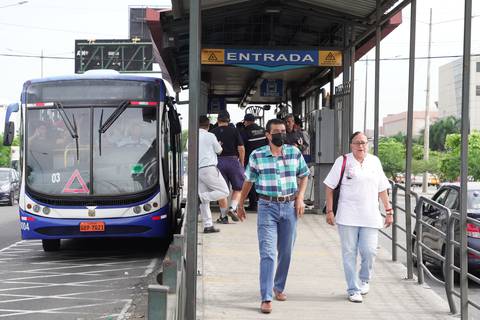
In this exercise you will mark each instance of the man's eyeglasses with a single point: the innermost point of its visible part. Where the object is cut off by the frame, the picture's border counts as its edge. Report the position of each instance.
(360, 143)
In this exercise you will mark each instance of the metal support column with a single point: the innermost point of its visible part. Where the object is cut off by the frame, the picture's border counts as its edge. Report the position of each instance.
(408, 161)
(332, 88)
(352, 83)
(378, 34)
(467, 39)
(346, 83)
(194, 69)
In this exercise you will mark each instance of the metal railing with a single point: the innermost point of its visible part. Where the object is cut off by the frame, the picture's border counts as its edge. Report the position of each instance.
(417, 245)
(167, 300)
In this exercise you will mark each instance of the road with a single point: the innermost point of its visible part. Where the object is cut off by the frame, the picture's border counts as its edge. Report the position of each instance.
(88, 279)
(474, 288)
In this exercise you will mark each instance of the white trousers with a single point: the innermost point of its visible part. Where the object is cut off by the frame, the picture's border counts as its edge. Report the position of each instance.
(211, 187)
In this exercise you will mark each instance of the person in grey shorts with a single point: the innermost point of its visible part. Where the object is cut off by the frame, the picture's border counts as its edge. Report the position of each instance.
(211, 186)
(230, 161)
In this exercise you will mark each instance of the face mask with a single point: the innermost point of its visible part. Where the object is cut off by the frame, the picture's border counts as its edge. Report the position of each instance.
(278, 139)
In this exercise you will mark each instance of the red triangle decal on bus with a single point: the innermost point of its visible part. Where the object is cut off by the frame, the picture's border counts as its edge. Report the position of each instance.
(68, 186)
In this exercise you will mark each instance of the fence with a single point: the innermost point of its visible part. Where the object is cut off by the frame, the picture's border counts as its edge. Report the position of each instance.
(166, 300)
(414, 245)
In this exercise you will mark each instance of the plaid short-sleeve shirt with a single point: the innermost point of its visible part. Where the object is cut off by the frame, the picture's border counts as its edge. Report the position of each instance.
(276, 176)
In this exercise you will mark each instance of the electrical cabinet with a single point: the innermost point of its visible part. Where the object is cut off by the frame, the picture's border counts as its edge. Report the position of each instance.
(322, 135)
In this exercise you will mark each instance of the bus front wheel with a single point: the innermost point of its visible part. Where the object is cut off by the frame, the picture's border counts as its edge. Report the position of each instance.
(51, 245)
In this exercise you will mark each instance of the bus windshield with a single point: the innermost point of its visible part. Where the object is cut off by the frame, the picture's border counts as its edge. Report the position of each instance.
(126, 162)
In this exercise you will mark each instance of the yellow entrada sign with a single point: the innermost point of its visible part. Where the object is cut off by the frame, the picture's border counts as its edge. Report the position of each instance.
(330, 58)
(213, 56)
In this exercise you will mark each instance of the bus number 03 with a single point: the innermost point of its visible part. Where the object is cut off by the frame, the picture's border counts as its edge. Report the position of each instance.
(56, 177)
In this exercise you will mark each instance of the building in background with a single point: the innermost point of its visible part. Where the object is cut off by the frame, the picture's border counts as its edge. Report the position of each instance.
(397, 123)
(450, 91)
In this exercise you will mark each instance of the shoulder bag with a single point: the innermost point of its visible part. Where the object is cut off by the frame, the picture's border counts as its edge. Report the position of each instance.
(336, 191)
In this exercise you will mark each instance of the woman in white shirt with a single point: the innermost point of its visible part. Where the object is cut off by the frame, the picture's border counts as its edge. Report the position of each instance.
(358, 216)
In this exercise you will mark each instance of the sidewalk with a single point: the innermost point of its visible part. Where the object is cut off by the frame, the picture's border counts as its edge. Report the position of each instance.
(227, 285)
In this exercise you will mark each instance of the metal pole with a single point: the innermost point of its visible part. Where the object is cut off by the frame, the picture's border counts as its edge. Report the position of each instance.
(408, 161)
(41, 64)
(377, 79)
(366, 93)
(332, 88)
(352, 82)
(194, 69)
(395, 222)
(464, 159)
(426, 131)
(345, 97)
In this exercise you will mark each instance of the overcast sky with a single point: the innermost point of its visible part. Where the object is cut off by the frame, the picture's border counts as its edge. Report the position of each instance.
(52, 27)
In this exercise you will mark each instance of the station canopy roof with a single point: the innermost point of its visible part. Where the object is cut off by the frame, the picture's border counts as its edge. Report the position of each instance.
(266, 25)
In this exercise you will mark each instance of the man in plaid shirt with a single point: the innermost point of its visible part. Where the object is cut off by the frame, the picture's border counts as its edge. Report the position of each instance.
(275, 170)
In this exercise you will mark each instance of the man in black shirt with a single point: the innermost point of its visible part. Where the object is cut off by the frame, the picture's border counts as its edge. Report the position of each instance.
(254, 137)
(230, 161)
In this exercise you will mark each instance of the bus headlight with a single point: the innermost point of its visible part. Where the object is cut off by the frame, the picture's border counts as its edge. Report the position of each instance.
(147, 207)
(36, 208)
(137, 209)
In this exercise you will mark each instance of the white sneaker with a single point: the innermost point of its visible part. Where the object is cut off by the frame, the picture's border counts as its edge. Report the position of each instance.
(364, 287)
(355, 297)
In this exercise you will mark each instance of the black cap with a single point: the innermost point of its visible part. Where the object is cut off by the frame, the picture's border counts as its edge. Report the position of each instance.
(224, 116)
(249, 117)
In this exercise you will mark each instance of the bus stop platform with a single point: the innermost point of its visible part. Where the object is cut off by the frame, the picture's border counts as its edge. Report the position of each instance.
(228, 285)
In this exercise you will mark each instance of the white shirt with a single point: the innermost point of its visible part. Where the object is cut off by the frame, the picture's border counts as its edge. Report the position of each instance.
(208, 148)
(358, 203)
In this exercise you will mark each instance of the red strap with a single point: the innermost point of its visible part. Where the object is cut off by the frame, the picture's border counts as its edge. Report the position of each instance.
(343, 170)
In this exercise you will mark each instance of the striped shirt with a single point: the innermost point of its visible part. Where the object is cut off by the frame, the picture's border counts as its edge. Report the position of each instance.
(276, 176)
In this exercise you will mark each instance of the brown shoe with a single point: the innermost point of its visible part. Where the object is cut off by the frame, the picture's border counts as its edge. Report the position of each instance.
(280, 296)
(266, 307)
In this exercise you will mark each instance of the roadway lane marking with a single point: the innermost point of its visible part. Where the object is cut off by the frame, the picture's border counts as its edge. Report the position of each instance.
(150, 267)
(12, 245)
(59, 274)
(16, 312)
(123, 313)
(123, 279)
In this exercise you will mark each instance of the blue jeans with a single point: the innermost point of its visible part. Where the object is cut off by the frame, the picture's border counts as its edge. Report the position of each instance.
(357, 240)
(276, 224)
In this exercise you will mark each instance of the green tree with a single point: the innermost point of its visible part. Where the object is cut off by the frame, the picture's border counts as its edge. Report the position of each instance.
(400, 137)
(439, 131)
(450, 162)
(4, 154)
(417, 151)
(392, 155)
(184, 139)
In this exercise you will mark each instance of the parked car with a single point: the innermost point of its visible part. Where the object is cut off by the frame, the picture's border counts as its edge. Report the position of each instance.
(417, 180)
(432, 180)
(448, 195)
(9, 186)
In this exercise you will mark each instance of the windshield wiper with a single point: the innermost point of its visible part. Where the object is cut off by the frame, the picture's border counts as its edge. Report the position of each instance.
(71, 127)
(103, 127)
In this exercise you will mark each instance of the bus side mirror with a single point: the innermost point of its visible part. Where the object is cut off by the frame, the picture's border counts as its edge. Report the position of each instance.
(9, 133)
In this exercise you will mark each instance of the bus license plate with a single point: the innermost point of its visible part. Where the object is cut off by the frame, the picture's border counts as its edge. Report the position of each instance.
(92, 226)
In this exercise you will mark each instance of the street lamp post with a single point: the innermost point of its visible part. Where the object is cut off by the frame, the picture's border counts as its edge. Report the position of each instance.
(426, 131)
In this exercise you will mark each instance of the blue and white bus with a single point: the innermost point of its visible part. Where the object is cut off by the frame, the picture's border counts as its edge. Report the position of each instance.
(99, 157)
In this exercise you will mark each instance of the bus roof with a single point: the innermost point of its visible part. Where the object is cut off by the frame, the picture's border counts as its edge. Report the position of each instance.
(96, 76)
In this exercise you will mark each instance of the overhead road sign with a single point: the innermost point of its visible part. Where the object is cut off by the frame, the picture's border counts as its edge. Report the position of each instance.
(125, 55)
(272, 60)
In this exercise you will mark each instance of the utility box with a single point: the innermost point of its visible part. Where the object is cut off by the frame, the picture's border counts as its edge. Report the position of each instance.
(322, 136)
